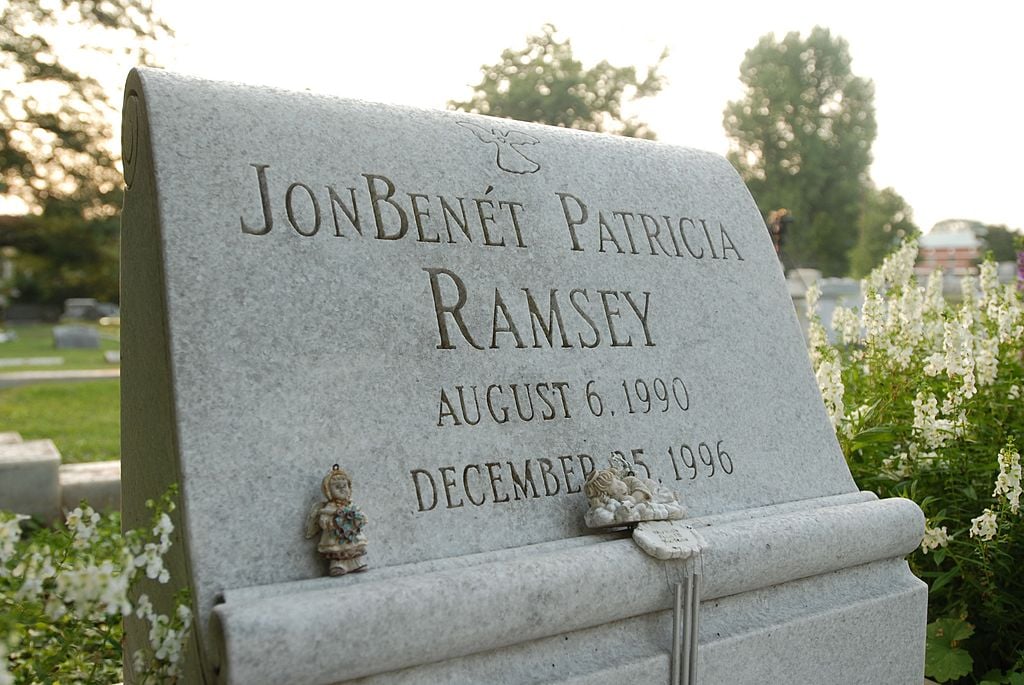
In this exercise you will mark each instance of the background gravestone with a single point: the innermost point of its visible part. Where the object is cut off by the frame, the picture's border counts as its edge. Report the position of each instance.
(467, 315)
(75, 337)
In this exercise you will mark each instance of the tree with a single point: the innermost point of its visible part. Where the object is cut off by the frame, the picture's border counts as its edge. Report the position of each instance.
(55, 151)
(61, 256)
(54, 130)
(55, 141)
(544, 83)
(999, 240)
(886, 220)
(801, 139)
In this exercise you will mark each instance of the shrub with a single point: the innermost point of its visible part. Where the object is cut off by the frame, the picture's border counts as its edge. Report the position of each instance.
(64, 591)
(925, 396)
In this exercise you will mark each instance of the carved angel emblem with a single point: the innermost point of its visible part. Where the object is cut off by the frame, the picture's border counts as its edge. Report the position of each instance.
(507, 142)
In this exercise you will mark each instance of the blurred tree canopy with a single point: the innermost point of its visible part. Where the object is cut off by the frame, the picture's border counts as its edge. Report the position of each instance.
(544, 83)
(64, 256)
(885, 221)
(801, 139)
(999, 240)
(55, 138)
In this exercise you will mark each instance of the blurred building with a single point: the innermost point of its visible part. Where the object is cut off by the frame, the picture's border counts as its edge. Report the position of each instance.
(954, 245)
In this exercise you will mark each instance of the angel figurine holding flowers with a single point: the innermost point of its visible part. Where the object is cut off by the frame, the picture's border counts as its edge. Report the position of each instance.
(340, 523)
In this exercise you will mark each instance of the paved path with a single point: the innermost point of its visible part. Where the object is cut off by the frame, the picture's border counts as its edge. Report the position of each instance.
(13, 378)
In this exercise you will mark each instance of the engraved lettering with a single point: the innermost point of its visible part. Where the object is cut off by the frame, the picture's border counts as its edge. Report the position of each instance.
(588, 467)
(560, 387)
(416, 473)
(550, 413)
(510, 327)
(290, 210)
(495, 479)
(605, 229)
(571, 223)
(448, 479)
(731, 246)
(652, 229)
(465, 484)
(417, 217)
(554, 316)
(704, 226)
(641, 316)
(351, 214)
(462, 402)
(625, 224)
(268, 217)
(609, 314)
(449, 213)
(486, 219)
(568, 472)
(490, 406)
(445, 408)
(515, 219)
(454, 310)
(579, 309)
(519, 406)
(545, 471)
(682, 234)
(672, 234)
(521, 486)
(375, 201)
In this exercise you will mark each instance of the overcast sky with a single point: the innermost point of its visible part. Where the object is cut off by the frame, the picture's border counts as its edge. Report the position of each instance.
(947, 75)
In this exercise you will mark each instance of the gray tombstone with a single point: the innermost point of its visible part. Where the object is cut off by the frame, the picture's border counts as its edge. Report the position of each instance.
(80, 308)
(469, 315)
(75, 337)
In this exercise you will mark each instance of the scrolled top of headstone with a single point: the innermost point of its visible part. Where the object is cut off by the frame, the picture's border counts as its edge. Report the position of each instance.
(617, 497)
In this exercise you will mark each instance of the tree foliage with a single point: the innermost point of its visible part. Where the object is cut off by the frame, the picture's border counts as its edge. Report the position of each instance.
(55, 140)
(544, 83)
(999, 240)
(55, 151)
(61, 256)
(885, 222)
(801, 139)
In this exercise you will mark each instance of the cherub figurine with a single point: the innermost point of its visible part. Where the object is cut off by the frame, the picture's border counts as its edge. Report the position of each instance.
(617, 497)
(341, 524)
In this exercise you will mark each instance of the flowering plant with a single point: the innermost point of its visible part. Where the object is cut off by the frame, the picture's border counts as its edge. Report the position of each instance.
(64, 591)
(925, 396)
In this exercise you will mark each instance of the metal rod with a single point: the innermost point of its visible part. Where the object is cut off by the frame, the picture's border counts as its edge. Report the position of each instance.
(694, 636)
(687, 632)
(677, 616)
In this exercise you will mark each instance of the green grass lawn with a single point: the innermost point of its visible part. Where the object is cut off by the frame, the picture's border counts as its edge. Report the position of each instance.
(36, 340)
(82, 418)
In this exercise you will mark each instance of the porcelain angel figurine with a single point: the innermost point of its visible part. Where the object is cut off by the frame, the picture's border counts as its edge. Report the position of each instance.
(618, 497)
(340, 523)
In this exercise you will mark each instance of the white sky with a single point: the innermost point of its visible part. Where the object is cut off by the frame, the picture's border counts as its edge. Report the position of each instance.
(948, 76)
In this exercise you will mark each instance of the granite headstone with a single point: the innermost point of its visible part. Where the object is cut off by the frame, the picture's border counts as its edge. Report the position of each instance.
(469, 315)
(75, 337)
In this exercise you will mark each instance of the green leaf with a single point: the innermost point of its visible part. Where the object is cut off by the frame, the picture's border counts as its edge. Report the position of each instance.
(943, 663)
(944, 658)
(949, 630)
(943, 579)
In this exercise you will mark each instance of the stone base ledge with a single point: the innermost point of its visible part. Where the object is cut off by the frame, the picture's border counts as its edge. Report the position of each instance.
(29, 478)
(97, 483)
(391, 624)
(33, 481)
